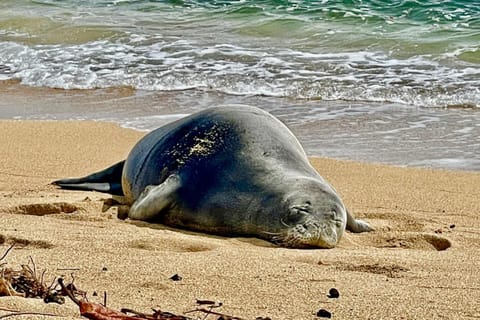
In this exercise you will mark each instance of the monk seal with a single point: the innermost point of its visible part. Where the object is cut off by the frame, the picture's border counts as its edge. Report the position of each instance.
(231, 171)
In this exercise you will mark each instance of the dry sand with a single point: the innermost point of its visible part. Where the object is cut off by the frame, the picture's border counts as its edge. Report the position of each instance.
(422, 262)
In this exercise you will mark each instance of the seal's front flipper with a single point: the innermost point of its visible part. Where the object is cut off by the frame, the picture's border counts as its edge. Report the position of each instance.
(155, 199)
(108, 181)
(357, 225)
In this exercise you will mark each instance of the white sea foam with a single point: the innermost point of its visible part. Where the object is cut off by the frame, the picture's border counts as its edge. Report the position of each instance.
(148, 123)
(155, 63)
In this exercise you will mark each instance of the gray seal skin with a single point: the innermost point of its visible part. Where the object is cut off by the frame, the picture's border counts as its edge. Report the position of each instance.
(232, 171)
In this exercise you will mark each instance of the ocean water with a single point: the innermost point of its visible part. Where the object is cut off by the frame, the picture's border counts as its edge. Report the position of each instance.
(386, 81)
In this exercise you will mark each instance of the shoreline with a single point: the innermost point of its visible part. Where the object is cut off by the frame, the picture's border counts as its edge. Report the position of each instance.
(368, 132)
(420, 263)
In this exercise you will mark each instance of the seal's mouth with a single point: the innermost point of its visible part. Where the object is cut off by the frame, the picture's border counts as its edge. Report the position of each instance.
(311, 234)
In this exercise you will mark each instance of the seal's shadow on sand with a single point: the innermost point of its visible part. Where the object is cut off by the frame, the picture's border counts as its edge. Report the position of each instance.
(392, 232)
(393, 240)
(205, 236)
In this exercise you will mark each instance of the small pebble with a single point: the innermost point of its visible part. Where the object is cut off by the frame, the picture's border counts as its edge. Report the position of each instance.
(322, 313)
(54, 297)
(333, 293)
(176, 277)
(452, 226)
(199, 301)
(104, 269)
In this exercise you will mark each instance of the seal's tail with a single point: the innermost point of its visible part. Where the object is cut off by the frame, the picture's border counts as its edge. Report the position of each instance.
(108, 181)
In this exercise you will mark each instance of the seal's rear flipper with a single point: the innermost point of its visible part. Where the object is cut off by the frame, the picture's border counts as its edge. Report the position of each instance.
(357, 225)
(108, 181)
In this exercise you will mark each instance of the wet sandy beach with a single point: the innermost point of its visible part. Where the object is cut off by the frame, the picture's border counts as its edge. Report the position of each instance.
(420, 263)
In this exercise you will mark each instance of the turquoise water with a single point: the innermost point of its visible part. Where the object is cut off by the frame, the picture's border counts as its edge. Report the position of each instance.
(390, 81)
(421, 53)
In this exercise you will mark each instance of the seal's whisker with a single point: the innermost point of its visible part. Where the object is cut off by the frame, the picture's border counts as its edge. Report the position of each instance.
(271, 233)
(285, 224)
(278, 239)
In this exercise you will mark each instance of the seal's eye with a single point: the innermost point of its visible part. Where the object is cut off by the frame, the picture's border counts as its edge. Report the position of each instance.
(303, 209)
(296, 214)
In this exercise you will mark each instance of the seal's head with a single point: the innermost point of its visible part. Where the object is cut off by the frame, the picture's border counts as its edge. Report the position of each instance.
(314, 216)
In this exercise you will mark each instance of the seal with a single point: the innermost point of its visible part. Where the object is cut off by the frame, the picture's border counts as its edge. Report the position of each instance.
(231, 171)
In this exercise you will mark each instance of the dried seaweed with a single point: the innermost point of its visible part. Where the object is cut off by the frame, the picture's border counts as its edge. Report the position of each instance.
(27, 282)
(24, 282)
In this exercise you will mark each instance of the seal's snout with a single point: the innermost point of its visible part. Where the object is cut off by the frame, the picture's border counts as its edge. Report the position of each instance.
(310, 234)
(312, 224)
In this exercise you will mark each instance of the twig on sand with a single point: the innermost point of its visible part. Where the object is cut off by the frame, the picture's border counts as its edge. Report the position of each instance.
(95, 311)
(7, 310)
(6, 252)
(210, 312)
(19, 313)
(15, 313)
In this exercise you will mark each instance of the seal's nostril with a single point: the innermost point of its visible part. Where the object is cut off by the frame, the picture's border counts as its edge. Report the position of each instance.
(301, 228)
